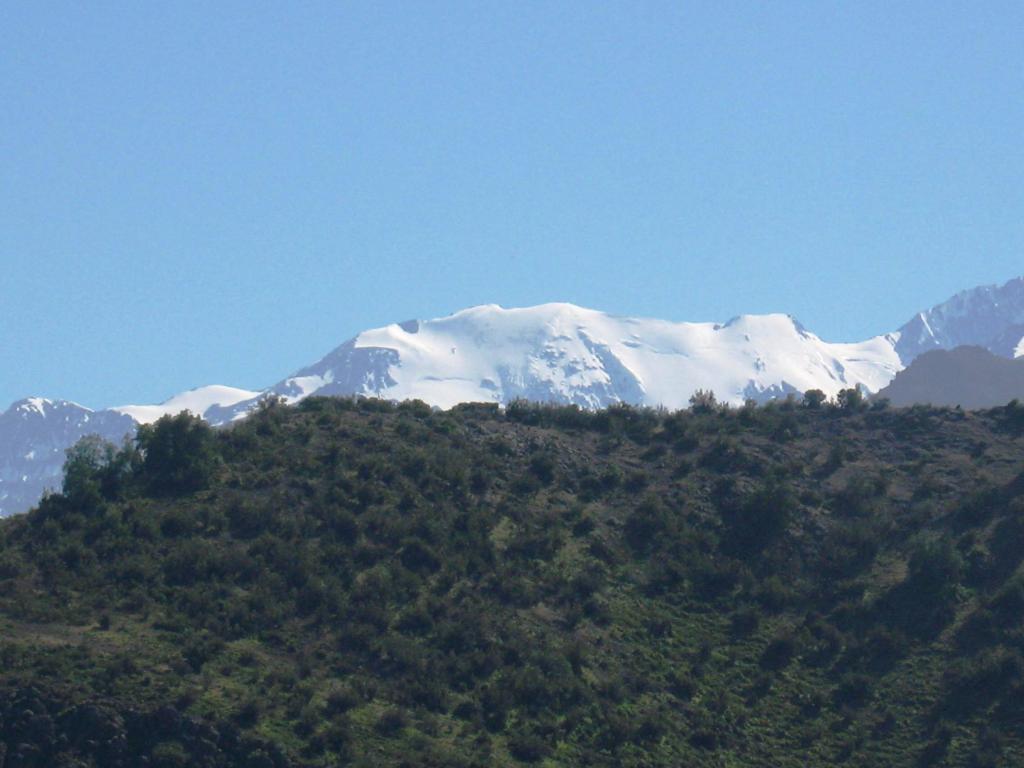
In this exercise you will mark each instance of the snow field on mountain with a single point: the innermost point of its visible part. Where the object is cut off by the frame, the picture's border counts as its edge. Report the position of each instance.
(198, 401)
(482, 353)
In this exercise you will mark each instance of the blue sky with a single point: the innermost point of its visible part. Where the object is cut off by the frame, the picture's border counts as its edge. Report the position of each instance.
(197, 193)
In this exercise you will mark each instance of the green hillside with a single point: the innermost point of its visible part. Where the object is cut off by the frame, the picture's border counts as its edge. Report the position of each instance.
(355, 582)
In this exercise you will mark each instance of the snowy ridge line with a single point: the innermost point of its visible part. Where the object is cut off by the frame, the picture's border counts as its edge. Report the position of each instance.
(198, 401)
(556, 352)
(568, 354)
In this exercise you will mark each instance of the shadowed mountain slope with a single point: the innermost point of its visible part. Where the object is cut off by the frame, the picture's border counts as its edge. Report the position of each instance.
(969, 377)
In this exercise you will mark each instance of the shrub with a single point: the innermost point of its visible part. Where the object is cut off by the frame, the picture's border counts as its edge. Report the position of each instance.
(528, 747)
(973, 684)
(542, 465)
(760, 519)
(418, 557)
(1008, 603)
(169, 754)
(391, 721)
(340, 699)
(851, 400)
(94, 471)
(779, 652)
(849, 547)
(495, 703)
(858, 498)
(936, 566)
(703, 401)
(646, 525)
(854, 690)
(1007, 542)
(745, 622)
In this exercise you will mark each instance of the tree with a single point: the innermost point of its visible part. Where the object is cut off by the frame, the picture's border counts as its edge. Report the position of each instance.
(851, 399)
(96, 471)
(814, 399)
(703, 401)
(179, 455)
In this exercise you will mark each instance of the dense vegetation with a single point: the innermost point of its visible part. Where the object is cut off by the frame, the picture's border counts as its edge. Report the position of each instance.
(358, 582)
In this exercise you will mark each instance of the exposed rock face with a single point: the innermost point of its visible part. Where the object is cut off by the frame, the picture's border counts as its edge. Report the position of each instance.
(991, 317)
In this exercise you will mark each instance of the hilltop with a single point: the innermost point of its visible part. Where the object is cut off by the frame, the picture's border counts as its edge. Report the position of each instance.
(358, 582)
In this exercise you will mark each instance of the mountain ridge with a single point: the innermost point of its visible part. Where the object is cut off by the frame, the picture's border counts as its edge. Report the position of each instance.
(562, 353)
(989, 316)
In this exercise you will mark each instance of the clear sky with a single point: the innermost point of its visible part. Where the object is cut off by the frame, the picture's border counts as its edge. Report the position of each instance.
(195, 193)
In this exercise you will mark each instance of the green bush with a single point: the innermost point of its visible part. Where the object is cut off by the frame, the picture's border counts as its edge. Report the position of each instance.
(779, 652)
(647, 525)
(169, 754)
(760, 519)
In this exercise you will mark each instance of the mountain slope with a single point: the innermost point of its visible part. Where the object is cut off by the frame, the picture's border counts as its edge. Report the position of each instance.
(969, 377)
(352, 582)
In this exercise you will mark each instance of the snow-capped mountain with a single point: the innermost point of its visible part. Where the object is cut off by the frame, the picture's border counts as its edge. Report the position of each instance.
(553, 352)
(567, 354)
(991, 316)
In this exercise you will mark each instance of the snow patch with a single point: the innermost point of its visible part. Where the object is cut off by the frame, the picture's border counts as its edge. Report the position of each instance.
(37, 405)
(198, 401)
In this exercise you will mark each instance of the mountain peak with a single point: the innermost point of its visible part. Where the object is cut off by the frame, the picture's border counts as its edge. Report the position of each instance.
(43, 406)
(547, 310)
(37, 405)
(989, 316)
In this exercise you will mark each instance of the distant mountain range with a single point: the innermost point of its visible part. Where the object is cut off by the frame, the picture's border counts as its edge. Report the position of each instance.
(991, 317)
(34, 433)
(553, 352)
